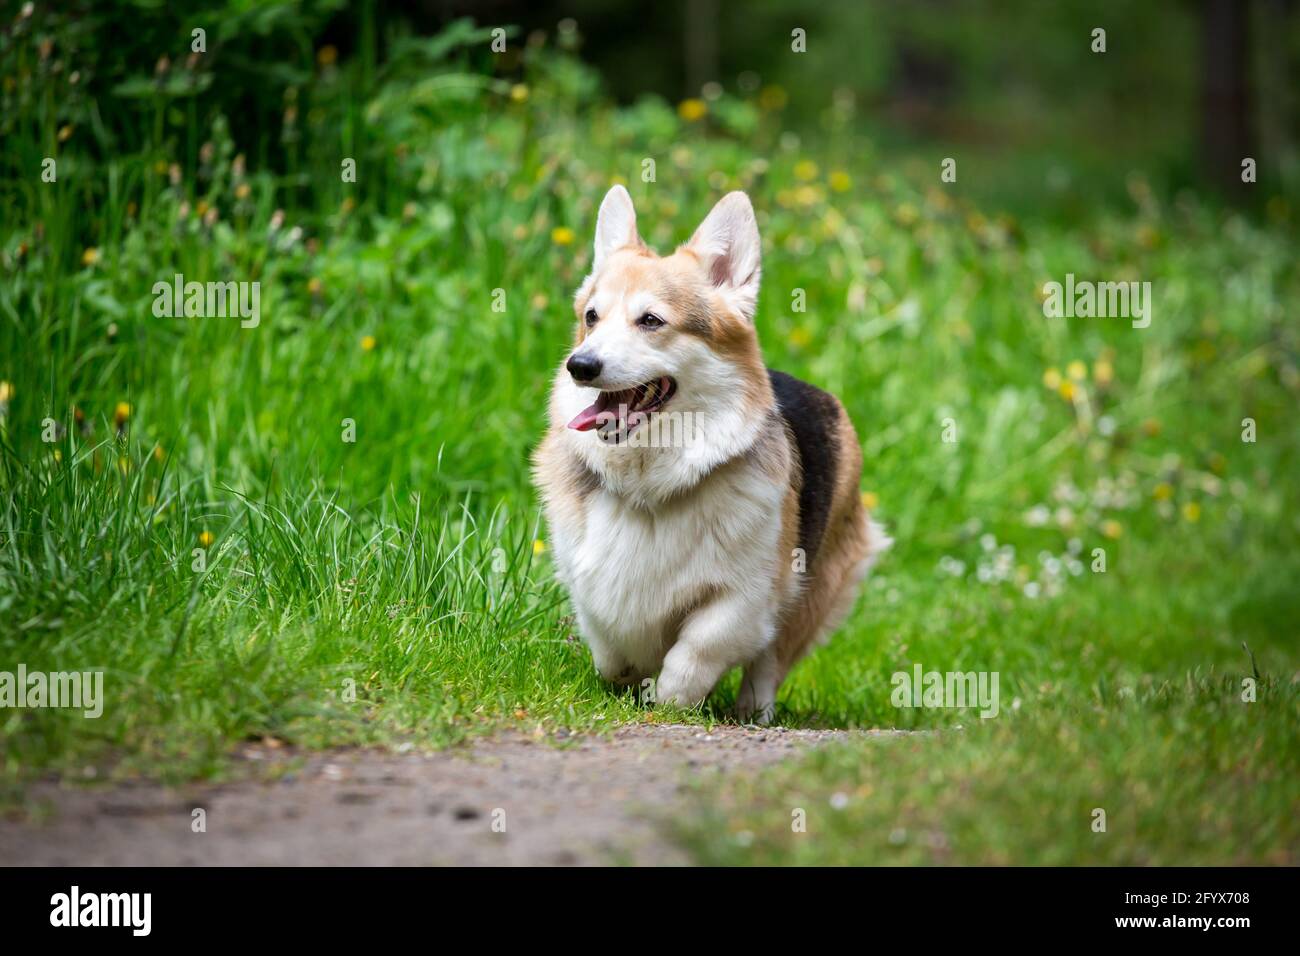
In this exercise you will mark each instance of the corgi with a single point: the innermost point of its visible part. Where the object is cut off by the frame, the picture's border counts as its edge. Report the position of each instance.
(741, 540)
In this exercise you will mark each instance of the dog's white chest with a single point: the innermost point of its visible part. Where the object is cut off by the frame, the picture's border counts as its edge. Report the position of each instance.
(634, 571)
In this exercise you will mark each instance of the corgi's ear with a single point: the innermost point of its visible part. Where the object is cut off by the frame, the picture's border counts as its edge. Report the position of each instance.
(615, 225)
(728, 246)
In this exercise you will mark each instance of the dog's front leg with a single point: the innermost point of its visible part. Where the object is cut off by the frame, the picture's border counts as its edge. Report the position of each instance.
(715, 638)
(757, 698)
(611, 663)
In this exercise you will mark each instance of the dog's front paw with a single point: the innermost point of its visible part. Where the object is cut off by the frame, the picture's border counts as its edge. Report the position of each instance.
(681, 684)
(613, 667)
(628, 676)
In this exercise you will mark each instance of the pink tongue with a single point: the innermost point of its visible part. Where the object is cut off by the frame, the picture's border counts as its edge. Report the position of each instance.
(588, 418)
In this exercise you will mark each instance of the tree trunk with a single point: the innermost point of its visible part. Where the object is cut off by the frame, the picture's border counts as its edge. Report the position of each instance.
(701, 29)
(1225, 93)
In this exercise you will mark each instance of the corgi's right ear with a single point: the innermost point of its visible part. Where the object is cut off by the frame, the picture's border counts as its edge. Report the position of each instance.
(615, 225)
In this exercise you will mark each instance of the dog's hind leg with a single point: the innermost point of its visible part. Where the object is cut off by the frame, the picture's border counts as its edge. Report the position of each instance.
(846, 558)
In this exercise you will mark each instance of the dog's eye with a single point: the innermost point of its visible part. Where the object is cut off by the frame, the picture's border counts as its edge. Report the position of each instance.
(591, 317)
(649, 321)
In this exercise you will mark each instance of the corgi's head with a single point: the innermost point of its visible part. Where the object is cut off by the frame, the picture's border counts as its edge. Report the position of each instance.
(666, 336)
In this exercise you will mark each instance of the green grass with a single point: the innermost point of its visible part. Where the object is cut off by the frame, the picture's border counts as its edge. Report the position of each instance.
(398, 587)
(1183, 773)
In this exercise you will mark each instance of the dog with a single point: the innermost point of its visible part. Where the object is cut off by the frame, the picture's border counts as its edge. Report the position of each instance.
(741, 540)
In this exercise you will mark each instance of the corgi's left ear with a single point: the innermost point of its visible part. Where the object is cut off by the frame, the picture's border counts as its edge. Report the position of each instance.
(729, 248)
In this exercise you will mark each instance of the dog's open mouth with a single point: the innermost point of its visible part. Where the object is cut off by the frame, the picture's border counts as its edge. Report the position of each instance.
(621, 411)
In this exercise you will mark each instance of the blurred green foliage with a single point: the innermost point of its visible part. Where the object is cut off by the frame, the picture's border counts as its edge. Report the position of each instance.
(411, 561)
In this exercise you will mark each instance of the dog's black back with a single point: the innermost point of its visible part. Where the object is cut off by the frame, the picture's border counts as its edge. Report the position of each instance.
(813, 418)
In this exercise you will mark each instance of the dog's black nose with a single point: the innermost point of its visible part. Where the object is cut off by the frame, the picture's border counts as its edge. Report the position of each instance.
(583, 368)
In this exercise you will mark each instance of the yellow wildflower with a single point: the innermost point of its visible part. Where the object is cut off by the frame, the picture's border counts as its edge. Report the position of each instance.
(367, 343)
(562, 236)
(692, 110)
(772, 98)
(807, 195)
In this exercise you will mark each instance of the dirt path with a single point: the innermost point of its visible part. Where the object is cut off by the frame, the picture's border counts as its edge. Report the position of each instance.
(586, 800)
